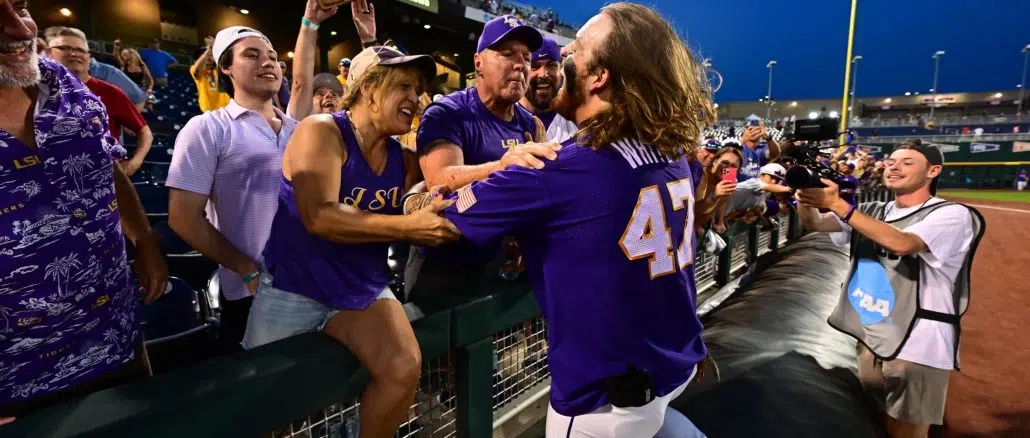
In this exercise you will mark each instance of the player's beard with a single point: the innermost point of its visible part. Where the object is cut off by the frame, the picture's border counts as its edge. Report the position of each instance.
(570, 96)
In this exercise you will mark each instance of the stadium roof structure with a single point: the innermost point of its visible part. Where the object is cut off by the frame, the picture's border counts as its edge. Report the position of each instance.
(865, 104)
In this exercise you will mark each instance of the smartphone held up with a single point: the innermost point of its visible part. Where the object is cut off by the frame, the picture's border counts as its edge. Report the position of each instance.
(729, 174)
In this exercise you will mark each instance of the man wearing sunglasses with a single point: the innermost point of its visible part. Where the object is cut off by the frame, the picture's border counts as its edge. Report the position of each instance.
(908, 285)
(68, 46)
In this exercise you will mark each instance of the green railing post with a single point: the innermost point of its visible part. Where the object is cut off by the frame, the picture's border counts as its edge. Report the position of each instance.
(474, 380)
(722, 276)
(795, 226)
(752, 241)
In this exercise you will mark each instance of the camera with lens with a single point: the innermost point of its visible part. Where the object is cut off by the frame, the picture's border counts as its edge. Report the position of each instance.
(809, 169)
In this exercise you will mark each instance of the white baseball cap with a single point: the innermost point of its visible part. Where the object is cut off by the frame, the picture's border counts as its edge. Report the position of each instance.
(774, 170)
(383, 55)
(226, 37)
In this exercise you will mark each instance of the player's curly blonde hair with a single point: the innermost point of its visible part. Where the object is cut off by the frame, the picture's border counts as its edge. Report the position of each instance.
(659, 91)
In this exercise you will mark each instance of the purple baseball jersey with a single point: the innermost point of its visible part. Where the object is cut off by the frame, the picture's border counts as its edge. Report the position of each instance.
(340, 276)
(68, 313)
(462, 118)
(604, 237)
(1022, 176)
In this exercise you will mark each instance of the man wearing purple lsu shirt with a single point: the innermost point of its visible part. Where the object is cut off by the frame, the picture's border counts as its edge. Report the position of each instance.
(69, 314)
(471, 133)
(605, 229)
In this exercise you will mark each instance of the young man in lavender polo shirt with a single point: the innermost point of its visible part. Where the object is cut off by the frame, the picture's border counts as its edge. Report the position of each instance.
(471, 133)
(69, 314)
(606, 230)
(228, 161)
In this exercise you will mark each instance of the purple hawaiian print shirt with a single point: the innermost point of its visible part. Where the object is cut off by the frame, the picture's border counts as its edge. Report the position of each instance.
(67, 312)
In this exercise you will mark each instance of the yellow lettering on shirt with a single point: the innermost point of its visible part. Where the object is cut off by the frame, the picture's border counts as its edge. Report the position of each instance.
(25, 322)
(29, 161)
(101, 301)
(113, 205)
(381, 198)
(356, 194)
(392, 193)
(509, 143)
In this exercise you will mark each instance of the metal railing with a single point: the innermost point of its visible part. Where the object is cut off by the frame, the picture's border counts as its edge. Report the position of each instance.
(486, 363)
(951, 138)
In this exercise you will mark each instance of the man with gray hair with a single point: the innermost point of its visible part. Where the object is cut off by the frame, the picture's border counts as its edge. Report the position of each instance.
(69, 46)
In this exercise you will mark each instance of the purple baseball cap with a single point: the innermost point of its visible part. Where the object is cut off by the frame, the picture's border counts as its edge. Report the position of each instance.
(548, 51)
(507, 26)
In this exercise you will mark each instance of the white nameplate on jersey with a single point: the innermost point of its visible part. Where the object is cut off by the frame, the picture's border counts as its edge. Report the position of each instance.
(637, 154)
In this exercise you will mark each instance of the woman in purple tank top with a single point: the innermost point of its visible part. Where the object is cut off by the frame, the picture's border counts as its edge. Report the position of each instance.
(340, 199)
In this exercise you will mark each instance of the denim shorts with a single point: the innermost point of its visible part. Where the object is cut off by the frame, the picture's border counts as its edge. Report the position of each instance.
(277, 314)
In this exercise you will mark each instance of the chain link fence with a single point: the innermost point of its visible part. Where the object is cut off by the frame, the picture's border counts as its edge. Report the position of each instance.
(520, 362)
(432, 415)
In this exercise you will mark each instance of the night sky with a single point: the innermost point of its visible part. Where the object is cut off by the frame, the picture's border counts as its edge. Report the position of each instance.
(808, 38)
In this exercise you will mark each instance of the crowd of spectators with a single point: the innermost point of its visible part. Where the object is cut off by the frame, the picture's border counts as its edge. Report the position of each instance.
(538, 18)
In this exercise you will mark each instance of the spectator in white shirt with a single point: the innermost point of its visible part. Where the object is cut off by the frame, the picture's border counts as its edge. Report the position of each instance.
(748, 199)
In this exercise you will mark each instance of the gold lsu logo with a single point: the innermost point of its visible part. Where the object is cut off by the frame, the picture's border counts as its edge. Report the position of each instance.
(512, 21)
(509, 143)
(29, 161)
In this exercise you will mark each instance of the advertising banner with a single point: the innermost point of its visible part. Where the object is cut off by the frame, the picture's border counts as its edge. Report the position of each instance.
(977, 148)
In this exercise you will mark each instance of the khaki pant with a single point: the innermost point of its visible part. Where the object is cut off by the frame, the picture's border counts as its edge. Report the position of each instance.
(907, 391)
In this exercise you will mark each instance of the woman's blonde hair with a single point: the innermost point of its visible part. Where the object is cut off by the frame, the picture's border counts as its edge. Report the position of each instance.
(379, 79)
(133, 54)
(659, 91)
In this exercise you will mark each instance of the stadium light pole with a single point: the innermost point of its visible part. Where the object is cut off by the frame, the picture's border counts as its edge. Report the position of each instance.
(1022, 83)
(768, 95)
(936, 68)
(854, 75)
(847, 72)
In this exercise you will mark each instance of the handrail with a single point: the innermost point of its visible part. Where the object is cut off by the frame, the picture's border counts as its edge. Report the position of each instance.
(264, 389)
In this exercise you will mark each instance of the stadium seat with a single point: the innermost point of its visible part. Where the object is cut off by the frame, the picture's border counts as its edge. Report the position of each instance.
(173, 316)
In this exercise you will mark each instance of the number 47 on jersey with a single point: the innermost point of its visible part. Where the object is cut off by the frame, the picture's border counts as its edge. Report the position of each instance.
(648, 233)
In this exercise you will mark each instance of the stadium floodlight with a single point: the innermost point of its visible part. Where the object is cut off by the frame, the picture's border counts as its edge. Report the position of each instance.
(908, 93)
(244, 12)
(715, 105)
(854, 73)
(833, 114)
(427, 26)
(456, 55)
(998, 95)
(333, 33)
(936, 69)
(794, 103)
(65, 12)
(887, 100)
(768, 95)
(1026, 59)
(289, 55)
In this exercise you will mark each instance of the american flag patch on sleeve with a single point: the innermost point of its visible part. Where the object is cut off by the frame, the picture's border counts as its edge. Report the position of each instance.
(466, 198)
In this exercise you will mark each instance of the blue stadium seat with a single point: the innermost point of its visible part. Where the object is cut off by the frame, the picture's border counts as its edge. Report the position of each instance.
(154, 199)
(174, 316)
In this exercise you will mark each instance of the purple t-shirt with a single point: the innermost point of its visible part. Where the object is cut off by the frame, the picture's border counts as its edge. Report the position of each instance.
(753, 161)
(338, 275)
(462, 118)
(1021, 176)
(68, 314)
(605, 243)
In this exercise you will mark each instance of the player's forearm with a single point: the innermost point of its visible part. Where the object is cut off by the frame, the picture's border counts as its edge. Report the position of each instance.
(195, 230)
(345, 224)
(458, 176)
(774, 149)
(303, 73)
(885, 235)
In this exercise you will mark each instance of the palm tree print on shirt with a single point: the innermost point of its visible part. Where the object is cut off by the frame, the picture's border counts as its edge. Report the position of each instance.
(75, 165)
(61, 268)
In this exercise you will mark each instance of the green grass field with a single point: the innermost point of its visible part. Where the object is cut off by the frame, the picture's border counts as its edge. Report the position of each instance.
(990, 195)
